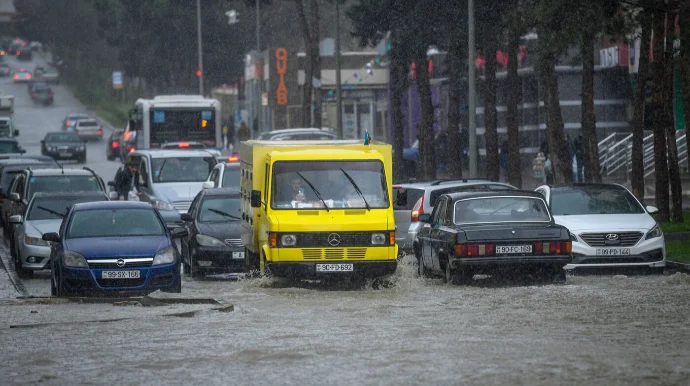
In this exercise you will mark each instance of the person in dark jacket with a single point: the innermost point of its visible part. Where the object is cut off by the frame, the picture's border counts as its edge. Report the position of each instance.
(124, 178)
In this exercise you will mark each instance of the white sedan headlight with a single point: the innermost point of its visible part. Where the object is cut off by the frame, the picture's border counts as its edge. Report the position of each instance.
(74, 260)
(208, 241)
(37, 241)
(161, 205)
(655, 232)
(164, 256)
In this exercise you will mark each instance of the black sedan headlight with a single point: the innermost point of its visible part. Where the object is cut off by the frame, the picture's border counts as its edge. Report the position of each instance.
(655, 232)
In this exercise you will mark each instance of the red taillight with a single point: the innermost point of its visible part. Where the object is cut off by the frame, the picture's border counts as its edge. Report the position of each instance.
(183, 145)
(68, 124)
(417, 209)
(131, 149)
(100, 131)
(472, 250)
(553, 247)
(16, 76)
(28, 76)
(115, 145)
(23, 44)
(234, 158)
(19, 53)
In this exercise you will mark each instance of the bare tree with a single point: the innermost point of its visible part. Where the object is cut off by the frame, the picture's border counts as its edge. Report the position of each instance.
(637, 175)
(673, 168)
(453, 156)
(684, 22)
(513, 120)
(426, 126)
(490, 114)
(661, 119)
(308, 65)
(589, 128)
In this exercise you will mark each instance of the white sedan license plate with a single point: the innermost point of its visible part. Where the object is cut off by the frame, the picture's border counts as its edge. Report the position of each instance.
(334, 267)
(613, 251)
(120, 274)
(506, 249)
(238, 255)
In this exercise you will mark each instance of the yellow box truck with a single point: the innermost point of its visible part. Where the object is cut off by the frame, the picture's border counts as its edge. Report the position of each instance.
(318, 209)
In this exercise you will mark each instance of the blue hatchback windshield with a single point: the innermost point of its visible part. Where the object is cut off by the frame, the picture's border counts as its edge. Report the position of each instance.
(114, 223)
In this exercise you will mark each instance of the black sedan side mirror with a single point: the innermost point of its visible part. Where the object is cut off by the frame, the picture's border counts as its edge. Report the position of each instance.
(51, 236)
(186, 217)
(425, 218)
(179, 233)
(111, 183)
(256, 199)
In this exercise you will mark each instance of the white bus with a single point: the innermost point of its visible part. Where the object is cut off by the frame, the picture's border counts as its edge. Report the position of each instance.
(173, 118)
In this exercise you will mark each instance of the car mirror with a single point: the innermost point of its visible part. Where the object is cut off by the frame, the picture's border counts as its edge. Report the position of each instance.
(209, 185)
(178, 233)
(111, 183)
(14, 197)
(425, 218)
(16, 133)
(113, 195)
(256, 199)
(22, 151)
(401, 197)
(16, 219)
(186, 217)
(652, 210)
(51, 236)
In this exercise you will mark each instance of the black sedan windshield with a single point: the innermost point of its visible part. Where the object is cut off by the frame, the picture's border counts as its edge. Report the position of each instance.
(114, 223)
(593, 201)
(219, 209)
(500, 209)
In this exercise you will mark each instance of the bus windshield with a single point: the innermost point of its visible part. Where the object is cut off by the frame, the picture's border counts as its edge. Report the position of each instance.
(174, 125)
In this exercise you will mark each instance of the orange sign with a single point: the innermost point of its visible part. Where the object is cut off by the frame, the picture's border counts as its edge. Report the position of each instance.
(281, 68)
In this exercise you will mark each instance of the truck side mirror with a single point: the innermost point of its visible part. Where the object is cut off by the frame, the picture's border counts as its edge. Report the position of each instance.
(256, 199)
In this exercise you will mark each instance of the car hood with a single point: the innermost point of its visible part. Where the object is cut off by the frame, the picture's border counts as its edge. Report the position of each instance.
(39, 227)
(108, 247)
(606, 222)
(182, 191)
(221, 230)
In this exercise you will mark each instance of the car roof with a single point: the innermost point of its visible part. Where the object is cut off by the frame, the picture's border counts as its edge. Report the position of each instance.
(170, 153)
(19, 160)
(587, 185)
(438, 184)
(232, 165)
(22, 166)
(57, 171)
(87, 120)
(222, 192)
(69, 194)
(77, 115)
(494, 193)
(112, 205)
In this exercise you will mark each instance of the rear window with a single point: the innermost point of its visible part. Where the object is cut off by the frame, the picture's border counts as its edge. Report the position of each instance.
(63, 184)
(412, 194)
(87, 123)
(231, 178)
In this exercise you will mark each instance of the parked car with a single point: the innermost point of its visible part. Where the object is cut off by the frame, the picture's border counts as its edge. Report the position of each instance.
(44, 214)
(609, 227)
(9, 169)
(22, 76)
(298, 134)
(114, 247)
(89, 129)
(5, 69)
(214, 228)
(412, 200)
(9, 145)
(70, 120)
(42, 93)
(112, 147)
(507, 233)
(50, 75)
(64, 145)
(224, 175)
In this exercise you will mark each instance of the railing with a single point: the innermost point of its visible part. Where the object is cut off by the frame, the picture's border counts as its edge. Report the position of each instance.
(648, 154)
(614, 153)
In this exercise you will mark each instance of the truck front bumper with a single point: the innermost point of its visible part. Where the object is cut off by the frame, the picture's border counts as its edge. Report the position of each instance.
(307, 270)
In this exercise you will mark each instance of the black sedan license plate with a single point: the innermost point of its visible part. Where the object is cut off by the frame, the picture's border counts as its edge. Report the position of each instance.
(510, 249)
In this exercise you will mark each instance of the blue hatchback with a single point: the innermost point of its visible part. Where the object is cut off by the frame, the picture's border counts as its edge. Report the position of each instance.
(114, 247)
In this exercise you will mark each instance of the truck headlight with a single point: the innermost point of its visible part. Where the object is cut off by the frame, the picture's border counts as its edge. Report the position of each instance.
(35, 241)
(378, 239)
(208, 241)
(161, 205)
(655, 232)
(164, 256)
(288, 240)
(73, 259)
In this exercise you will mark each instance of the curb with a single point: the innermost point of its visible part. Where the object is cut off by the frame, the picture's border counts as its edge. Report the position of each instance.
(680, 267)
(11, 272)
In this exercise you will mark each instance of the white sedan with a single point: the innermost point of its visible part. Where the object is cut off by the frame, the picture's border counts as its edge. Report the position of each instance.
(609, 227)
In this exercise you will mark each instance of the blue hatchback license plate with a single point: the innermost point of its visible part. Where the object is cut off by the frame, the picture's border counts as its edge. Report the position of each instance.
(120, 274)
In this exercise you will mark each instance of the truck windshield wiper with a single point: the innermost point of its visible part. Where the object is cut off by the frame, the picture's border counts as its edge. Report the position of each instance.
(354, 185)
(62, 215)
(318, 195)
(220, 212)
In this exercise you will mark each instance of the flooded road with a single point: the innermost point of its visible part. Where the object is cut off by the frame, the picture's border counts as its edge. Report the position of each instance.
(603, 330)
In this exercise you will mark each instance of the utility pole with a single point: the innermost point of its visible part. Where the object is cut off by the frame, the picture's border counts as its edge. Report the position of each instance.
(260, 64)
(472, 90)
(338, 91)
(200, 72)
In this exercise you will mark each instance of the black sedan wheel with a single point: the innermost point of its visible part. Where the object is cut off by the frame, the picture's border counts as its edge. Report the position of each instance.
(457, 277)
(53, 287)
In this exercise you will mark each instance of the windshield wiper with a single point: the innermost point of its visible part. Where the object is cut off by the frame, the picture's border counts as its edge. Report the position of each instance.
(318, 195)
(62, 215)
(160, 169)
(220, 212)
(354, 185)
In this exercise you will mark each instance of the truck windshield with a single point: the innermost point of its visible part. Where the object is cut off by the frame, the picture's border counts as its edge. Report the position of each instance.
(298, 184)
(170, 125)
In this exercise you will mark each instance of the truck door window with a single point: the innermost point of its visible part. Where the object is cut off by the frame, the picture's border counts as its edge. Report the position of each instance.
(266, 175)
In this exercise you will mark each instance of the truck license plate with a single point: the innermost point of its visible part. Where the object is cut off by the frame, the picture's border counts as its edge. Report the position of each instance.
(334, 267)
(613, 251)
(513, 249)
(120, 274)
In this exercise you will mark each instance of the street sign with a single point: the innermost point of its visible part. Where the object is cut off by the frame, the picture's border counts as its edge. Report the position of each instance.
(117, 80)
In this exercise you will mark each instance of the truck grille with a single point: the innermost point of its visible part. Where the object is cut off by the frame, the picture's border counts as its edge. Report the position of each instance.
(182, 206)
(333, 253)
(625, 239)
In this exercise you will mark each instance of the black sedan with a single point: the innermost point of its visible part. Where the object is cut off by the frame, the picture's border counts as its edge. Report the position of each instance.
(507, 233)
(112, 147)
(214, 242)
(64, 145)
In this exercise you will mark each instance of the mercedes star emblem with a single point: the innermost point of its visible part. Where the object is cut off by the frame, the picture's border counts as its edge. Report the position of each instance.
(612, 236)
(334, 239)
(120, 263)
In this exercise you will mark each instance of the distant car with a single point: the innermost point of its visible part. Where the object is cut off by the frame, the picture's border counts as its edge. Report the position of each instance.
(508, 233)
(64, 145)
(225, 175)
(71, 120)
(50, 75)
(22, 76)
(10, 146)
(609, 227)
(5, 69)
(23, 54)
(44, 214)
(42, 93)
(324, 134)
(112, 146)
(183, 146)
(116, 247)
(89, 129)
(214, 226)
(39, 70)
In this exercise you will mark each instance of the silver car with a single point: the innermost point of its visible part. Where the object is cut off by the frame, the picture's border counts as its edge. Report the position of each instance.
(44, 214)
(411, 200)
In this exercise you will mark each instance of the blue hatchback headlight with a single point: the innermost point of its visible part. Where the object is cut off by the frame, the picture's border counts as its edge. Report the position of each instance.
(74, 260)
(164, 256)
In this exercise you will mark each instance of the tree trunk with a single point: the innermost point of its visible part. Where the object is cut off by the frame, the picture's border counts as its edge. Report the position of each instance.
(637, 174)
(308, 69)
(684, 21)
(661, 121)
(559, 155)
(490, 114)
(426, 126)
(673, 168)
(513, 120)
(454, 148)
(316, 62)
(589, 128)
(397, 82)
